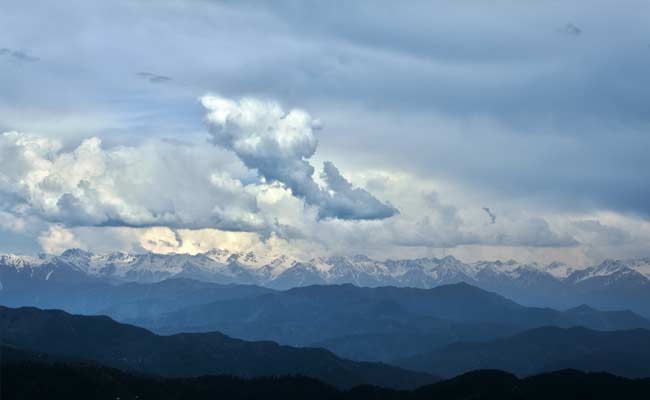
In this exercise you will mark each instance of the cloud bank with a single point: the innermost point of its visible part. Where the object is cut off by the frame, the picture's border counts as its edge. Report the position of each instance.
(170, 195)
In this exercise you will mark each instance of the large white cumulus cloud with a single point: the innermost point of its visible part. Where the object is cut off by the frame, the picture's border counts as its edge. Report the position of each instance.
(278, 145)
(184, 185)
(153, 184)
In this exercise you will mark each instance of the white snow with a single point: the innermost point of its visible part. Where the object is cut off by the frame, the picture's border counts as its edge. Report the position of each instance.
(150, 267)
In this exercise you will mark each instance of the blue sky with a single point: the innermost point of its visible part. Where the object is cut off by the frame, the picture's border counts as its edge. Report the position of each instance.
(428, 113)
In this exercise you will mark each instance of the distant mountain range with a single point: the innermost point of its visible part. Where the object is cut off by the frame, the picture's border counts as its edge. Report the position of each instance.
(612, 284)
(123, 301)
(102, 340)
(379, 324)
(366, 324)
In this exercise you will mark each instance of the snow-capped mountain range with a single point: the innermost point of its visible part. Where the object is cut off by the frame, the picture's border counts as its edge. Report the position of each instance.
(612, 284)
(223, 266)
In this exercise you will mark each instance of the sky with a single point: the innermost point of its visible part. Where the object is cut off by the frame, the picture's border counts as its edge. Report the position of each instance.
(514, 129)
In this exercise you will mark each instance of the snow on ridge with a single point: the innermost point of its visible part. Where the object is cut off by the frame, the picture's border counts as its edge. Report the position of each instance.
(559, 270)
(641, 266)
(358, 269)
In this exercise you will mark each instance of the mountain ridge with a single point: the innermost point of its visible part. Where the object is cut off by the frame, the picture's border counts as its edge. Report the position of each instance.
(612, 284)
(378, 324)
(123, 267)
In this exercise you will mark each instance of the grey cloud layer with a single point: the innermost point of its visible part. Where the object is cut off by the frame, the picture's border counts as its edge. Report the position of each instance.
(495, 97)
(503, 100)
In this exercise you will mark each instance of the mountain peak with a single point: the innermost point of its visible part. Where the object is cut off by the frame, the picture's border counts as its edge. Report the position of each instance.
(76, 253)
(449, 260)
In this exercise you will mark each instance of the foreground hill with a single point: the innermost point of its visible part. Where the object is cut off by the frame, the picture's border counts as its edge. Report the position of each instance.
(624, 353)
(107, 342)
(27, 377)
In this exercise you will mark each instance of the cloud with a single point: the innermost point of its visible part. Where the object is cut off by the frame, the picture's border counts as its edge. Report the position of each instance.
(493, 217)
(571, 29)
(58, 239)
(530, 232)
(18, 55)
(154, 184)
(10, 222)
(602, 235)
(550, 99)
(278, 145)
(170, 196)
(347, 202)
(392, 103)
(154, 78)
(447, 214)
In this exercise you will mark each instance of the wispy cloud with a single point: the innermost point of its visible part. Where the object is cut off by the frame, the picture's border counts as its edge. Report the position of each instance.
(571, 29)
(17, 55)
(154, 78)
(493, 217)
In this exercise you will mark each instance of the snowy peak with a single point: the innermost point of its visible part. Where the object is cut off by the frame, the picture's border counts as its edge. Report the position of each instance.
(641, 266)
(244, 258)
(559, 270)
(218, 255)
(609, 270)
(14, 261)
(76, 254)
(608, 267)
(497, 266)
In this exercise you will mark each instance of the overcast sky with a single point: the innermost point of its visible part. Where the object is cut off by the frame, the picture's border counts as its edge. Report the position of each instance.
(506, 129)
